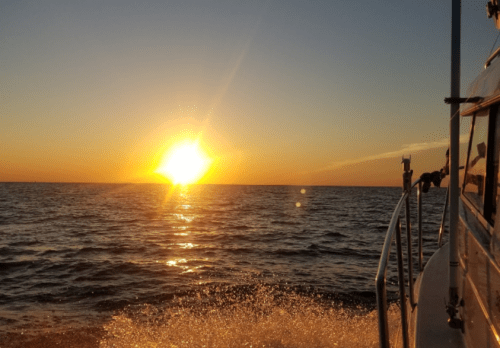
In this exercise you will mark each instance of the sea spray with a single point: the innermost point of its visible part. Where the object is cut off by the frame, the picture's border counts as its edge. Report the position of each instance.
(231, 316)
(268, 317)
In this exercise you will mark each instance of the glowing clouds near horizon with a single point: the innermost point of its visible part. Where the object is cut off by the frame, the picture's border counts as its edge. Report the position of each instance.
(184, 164)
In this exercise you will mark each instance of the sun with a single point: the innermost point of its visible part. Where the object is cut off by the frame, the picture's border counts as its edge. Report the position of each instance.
(184, 164)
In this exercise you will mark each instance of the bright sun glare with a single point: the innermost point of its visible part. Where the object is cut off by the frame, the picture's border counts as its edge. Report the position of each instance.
(184, 164)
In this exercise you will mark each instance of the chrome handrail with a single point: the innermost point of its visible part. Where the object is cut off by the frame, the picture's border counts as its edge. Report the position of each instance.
(395, 228)
(380, 280)
(409, 247)
(420, 242)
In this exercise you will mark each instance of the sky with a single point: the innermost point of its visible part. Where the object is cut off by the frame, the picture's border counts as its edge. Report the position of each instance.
(275, 92)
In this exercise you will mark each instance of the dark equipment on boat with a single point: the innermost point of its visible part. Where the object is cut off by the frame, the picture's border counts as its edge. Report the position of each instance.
(436, 176)
(430, 178)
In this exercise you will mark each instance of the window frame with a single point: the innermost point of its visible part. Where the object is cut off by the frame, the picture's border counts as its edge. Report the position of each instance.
(488, 199)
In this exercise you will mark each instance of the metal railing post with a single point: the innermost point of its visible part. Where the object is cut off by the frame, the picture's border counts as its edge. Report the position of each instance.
(407, 188)
(401, 281)
(420, 242)
(383, 327)
(381, 278)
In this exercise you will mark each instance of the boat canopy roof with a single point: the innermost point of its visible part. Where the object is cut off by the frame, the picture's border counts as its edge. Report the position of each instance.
(486, 86)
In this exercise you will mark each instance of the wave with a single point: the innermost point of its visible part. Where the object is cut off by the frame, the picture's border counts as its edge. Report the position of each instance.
(281, 222)
(334, 235)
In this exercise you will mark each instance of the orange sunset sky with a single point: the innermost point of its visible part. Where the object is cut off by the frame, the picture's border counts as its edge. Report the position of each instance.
(274, 92)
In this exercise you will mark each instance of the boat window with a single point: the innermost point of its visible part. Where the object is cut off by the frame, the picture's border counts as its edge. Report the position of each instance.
(476, 167)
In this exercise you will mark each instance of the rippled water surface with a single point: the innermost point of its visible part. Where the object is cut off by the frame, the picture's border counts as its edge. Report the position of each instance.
(211, 265)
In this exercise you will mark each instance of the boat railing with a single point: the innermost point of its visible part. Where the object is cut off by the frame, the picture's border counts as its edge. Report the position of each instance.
(380, 280)
(395, 229)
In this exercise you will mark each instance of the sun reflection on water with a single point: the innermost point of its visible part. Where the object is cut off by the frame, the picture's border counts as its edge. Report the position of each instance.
(181, 234)
(187, 245)
(191, 270)
(184, 217)
(176, 262)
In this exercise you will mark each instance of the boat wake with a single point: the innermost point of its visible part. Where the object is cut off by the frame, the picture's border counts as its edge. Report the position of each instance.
(257, 316)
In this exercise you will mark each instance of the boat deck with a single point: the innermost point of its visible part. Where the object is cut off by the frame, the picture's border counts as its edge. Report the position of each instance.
(432, 328)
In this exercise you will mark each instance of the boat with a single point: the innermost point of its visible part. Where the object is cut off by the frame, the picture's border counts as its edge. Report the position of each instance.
(455, 299)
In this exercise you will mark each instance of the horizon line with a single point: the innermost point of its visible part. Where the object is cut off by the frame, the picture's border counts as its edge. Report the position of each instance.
(205, 184)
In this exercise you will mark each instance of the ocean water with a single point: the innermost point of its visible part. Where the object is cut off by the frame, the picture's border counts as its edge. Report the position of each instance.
(146, 265)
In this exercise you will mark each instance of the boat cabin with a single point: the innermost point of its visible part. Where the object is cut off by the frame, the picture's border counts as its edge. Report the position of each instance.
(479, 225)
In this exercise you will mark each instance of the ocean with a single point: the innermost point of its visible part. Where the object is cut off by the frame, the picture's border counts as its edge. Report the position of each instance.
(151, 265)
